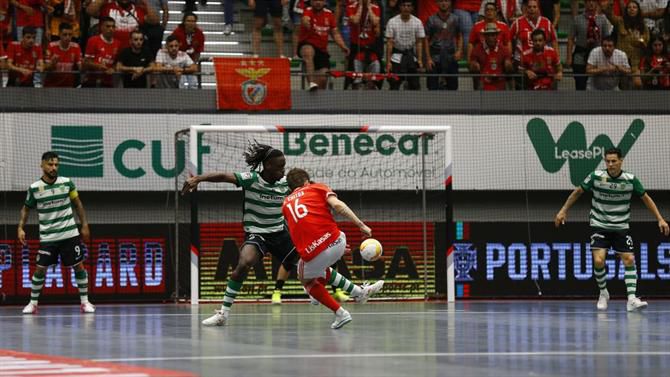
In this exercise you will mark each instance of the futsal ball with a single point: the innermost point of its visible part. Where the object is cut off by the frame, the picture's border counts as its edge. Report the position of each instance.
(371, 249)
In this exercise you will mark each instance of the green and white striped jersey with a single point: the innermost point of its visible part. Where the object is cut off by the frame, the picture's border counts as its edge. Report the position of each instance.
(262, 203)
(54, 208)
(610, 205)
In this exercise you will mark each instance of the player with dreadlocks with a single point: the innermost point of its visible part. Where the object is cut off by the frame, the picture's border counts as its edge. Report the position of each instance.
(264, 191)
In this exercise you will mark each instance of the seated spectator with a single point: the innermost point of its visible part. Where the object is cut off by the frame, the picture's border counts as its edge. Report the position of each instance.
(491, 58)
(404, 46)
(586, 32)
(490, 15)
(608, 67)
(364, 18)
(176, 66)
(521, 29)
(632, 35)
(655, 66)
(191, 38)
(101, 53)
(540, 64)
(127, 16)
(444, 47)
(64, 11)
(135, 62)
(63, 57)
(318, 23)
(24, 58)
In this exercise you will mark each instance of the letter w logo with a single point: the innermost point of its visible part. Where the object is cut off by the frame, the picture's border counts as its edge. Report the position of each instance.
(573, 141)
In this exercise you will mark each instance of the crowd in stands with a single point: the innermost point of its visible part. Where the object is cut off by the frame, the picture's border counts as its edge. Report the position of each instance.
(503, 44)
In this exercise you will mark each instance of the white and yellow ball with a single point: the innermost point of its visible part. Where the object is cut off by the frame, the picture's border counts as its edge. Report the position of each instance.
(371, 249)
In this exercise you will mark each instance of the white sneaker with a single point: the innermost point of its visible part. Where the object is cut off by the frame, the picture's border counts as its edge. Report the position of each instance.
(341, 319)
(313, 87)
(87, 307)
(369, 291)
(602, 300)
(218, 319)
(228, 29)
(635, 304)
(30, 309)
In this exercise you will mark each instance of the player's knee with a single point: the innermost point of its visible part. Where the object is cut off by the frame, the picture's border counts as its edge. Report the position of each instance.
(628, 259)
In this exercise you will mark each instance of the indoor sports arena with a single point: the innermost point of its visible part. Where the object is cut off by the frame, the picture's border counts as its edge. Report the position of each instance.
(228, 188)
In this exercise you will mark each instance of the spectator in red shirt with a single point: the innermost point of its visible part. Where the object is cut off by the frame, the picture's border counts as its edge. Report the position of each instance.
(490, 15)
(101, 55)
(655, 66)
(540, 64)
(191, 38)
(126, 15)
(24, 58)
(364, 19)
(521, 29)
(491, 58)
(63, 57)
(317, 24)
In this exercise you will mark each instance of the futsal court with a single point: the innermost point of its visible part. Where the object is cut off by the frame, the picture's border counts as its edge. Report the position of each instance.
(473, 338)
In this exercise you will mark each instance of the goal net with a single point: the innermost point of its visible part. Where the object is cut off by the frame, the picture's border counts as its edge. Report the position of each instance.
(395, 178)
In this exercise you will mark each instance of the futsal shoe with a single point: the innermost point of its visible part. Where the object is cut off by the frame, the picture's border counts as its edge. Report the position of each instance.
(218, 319)
(635, 304)
(30, 309)
(369, 291)
(276, 297)
(87, 307)
(602, 300)
(340, 296)
(342, 317)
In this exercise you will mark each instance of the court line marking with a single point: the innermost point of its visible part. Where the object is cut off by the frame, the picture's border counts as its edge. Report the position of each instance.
(395, 355)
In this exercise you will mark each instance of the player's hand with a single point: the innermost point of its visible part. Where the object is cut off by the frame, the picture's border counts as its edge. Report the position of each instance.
(366, 230)
(190, 185)
(22, 236)
(85, 234)
(560, 218)
(663, 226)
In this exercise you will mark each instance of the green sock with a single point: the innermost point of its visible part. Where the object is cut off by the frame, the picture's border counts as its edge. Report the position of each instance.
(600, 275)
(337, 280)
(36, 287)
(630, 278)
(232, 290)
(81, 278)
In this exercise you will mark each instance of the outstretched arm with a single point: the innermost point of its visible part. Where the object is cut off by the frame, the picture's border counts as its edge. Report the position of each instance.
(662, 225)
(563, 212)
(193, 182)
(343, 209)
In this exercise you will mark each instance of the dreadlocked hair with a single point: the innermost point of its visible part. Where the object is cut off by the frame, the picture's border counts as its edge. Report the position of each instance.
(257, 153)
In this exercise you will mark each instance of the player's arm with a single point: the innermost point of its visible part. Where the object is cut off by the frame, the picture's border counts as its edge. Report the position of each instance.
(79, 208)
(649, 202)
(563, 212)
(343, 209)
(21, 234)
(193, 182)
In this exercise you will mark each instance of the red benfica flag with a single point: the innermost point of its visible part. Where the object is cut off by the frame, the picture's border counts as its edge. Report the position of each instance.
(252, 84)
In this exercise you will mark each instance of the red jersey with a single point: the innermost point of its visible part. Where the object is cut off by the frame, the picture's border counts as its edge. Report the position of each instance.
(66, 61)
(24, 58)
(523, 27)
(322, 23)
(491, 62)
(365, 25)
(477, 37)
(310, 223)
(544, 65)
(36, 19)
(126, 20)
(661, 71)
(193, 44)
(102, 52)
(471, 6)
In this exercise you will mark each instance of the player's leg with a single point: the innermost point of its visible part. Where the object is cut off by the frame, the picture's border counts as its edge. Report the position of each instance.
(281, 247)
(624, 247)
(599, 245)
(72, 255)
(249, 256)
(282, 276)
(81, 278)
(46, 256)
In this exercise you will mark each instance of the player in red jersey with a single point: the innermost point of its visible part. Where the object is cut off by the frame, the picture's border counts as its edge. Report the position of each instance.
(63, 57)
(540, 64)
(320, 242)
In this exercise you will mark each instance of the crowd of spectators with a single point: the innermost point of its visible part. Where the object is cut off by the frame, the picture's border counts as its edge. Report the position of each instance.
(503, 44)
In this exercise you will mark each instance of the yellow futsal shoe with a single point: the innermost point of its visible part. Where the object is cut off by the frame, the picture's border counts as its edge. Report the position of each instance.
(340, 296)
(276, 297)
